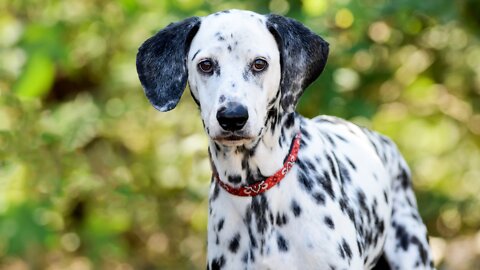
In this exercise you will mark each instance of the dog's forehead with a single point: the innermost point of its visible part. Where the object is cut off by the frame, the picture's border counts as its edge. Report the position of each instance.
(235, 14)
(234, 30)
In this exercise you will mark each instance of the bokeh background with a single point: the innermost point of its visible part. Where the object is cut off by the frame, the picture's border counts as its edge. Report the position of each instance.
(92, 177)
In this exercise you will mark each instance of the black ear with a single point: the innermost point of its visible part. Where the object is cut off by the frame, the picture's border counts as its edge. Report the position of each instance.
(303, 55)
(161, 63)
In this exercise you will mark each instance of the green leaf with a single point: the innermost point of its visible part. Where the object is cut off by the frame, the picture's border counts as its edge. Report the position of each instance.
(37, 76)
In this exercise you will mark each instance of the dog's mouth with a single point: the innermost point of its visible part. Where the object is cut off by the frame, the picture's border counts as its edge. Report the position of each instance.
(232, 139)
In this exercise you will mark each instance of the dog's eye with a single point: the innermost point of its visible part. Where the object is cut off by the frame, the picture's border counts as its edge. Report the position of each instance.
(259, 65)
(206, 66)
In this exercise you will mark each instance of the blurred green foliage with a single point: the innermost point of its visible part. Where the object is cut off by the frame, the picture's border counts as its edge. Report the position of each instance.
(92, 177)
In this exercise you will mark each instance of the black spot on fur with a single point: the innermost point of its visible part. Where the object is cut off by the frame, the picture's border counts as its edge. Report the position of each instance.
(310, 165)
(305, 182)
(329, 222)
(219, 36)
(272, 118)
(359, 246)
(380, 226)
(402, 236)
(290, 120)
(218, 263)
(404, 178)
(341, 251)
(326, 183)
(362, 201)
(221, 99)
(281, 219)
(332, 167)
(305, 133)
(346, 208)
(416, 217)
(282, 243)
(345, 250)
(234, 243)
(260, 207)
(344, 173)
(351, 164)
(332, 142)
(253, 241)
(220, 224)
(319, 198)
(341, 138)
(421, 249)
(301, 165)
(251, 255)
(216, 191)
(296, 208)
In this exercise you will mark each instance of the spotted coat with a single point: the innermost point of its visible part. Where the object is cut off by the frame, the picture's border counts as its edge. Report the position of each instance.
(348, 200)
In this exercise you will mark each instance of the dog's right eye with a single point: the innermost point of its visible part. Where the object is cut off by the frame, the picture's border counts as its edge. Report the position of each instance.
(259, 65)
(206, 66)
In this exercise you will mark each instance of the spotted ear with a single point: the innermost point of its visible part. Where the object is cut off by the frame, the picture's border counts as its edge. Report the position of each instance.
(303, 55)
(161, 63)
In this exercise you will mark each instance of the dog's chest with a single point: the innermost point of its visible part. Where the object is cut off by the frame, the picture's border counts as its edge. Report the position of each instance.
(280, 229)
(330, 210)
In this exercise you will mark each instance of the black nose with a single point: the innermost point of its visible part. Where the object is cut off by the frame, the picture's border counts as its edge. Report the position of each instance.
(232, 117)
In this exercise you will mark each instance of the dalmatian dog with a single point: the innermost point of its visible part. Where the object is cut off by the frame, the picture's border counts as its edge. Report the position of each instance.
(287, 192)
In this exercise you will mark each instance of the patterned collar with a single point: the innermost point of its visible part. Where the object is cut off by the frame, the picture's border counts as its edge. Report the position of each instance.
(263, 186)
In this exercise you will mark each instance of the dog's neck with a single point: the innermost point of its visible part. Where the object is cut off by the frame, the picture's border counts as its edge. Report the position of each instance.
(247, 164)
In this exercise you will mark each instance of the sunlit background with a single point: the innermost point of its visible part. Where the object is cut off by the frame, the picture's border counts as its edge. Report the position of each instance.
(92, 177)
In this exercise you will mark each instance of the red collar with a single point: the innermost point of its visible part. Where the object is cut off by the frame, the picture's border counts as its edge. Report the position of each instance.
(262, 186)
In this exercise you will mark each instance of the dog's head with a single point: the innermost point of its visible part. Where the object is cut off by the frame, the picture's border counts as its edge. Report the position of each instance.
(240, 66)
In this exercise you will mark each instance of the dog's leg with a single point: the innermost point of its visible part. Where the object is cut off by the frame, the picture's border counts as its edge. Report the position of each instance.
(406, 246)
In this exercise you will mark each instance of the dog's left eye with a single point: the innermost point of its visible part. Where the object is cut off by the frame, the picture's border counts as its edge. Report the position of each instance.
(259, 65)
(206, 66)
